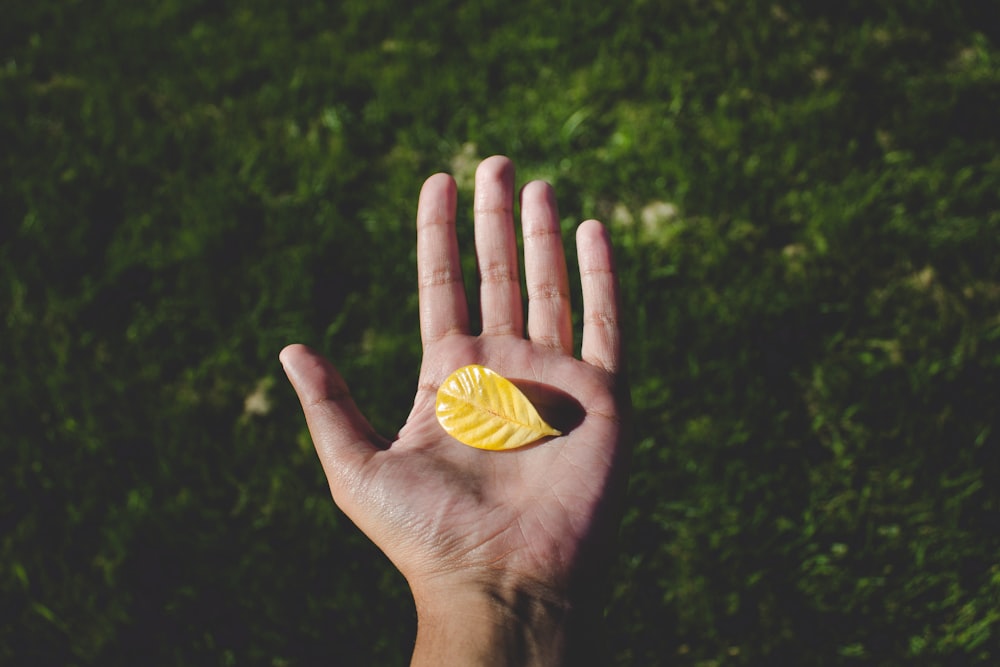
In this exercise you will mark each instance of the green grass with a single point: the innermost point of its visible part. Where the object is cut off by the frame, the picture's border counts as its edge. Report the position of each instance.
(805, 201)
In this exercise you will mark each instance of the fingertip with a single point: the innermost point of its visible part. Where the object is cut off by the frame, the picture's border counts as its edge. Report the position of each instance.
(436, 204)
(594, 245)
(591, 230)
(288, 356)
(312, 375)
(289, 352)
(537, 192)
(495, 168)
(300, 364)
(437, 199)
(439, 181)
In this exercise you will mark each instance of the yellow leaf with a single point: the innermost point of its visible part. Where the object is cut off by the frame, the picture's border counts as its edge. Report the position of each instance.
(482, 409)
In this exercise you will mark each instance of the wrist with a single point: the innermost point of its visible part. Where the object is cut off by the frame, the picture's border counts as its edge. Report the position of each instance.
(490, 622)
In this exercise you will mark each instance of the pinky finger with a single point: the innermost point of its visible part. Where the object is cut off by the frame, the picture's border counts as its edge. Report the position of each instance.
(602, 340)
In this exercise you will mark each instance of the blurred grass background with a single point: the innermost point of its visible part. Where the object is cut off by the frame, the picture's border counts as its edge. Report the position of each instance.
(805, 201)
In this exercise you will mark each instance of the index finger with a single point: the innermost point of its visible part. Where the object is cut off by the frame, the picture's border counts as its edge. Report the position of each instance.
(443, 309)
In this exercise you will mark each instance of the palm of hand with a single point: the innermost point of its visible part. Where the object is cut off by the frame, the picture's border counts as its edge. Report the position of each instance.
(529, 508)
(437, 508)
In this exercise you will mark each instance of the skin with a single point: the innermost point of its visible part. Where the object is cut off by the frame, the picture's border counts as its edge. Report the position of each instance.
(505, 552)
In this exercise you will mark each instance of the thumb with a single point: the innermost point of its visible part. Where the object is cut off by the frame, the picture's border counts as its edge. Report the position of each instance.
(343, 438)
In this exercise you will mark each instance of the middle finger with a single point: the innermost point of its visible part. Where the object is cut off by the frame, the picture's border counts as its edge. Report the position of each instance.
(496, 248)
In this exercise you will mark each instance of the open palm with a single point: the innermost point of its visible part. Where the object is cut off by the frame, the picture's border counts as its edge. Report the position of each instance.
(443, 511)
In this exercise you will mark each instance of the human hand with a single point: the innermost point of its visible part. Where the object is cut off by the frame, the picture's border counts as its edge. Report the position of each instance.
(501, 549)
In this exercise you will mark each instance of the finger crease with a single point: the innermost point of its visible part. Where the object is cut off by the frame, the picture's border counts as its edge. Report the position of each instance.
(547, 293)
(437, 278)
(450, 331)
(601, 320)
(498, 274)
(541, 234)
(498, 330)
(611, 418)
(547, 340)
(332, 397)
(492, 210)
(428, 223)
(597, 272)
